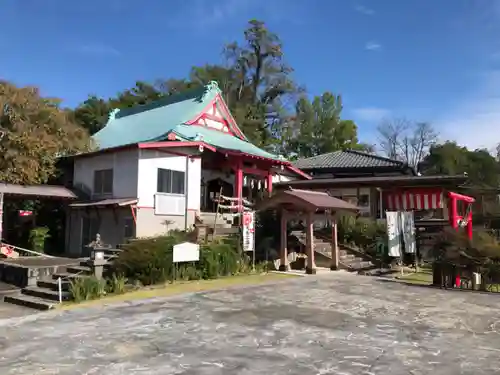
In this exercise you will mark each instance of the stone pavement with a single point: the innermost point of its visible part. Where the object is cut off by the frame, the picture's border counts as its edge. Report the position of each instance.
(331, 324)
(8, 310)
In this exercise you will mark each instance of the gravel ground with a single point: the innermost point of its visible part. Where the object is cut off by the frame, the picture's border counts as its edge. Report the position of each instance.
(332, 324)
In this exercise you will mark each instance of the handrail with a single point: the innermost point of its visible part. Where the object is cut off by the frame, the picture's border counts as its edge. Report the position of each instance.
(35, 253)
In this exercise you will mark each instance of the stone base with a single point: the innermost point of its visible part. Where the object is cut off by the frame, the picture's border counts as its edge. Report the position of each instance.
(311, 271)
(283, 268)
(27, 271)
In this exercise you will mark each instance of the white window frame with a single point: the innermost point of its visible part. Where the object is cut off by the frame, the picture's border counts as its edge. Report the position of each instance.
(169, 190)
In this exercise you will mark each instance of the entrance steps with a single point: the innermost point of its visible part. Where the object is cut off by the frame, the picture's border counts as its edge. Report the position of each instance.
(45, 294)
(349, 259)
(220, 220)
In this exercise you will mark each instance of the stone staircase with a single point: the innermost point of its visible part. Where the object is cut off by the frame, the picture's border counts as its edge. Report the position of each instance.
(220, 220)
(45, 294)
(349, 259)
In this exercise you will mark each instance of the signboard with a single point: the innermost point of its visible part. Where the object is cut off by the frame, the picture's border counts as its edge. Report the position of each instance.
(249, 231)
(24, 213)
(186, 252)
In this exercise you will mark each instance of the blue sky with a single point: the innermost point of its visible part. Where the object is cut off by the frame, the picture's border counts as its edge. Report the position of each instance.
(425, 60)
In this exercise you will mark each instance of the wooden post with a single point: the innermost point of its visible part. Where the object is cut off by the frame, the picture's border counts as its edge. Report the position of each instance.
(1, 216)
(238, 171)
(335, 245)
(269, 183)
(311, 266)
(283, 242)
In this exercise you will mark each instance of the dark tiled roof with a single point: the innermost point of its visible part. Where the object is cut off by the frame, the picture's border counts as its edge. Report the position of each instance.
(346, 159)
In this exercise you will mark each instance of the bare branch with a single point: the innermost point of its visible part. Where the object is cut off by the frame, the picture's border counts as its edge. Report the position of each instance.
(407, 141)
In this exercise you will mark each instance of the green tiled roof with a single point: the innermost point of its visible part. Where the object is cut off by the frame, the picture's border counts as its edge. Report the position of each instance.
(220, 140)
(346, 159)
(153, 122)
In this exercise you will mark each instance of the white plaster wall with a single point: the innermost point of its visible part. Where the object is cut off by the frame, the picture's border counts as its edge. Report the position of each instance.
(125, 171)
(150, 161)
(148, 222)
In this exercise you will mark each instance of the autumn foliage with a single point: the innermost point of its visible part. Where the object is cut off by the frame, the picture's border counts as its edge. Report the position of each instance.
(34, 132)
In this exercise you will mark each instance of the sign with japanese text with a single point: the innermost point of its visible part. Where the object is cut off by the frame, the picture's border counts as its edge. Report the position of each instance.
(249, 231)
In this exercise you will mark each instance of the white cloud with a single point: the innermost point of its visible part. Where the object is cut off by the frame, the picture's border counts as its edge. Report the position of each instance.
(475, 120)
(96, 49)
(371, 114)
(373, 46)
(364, 10)
(210, 13)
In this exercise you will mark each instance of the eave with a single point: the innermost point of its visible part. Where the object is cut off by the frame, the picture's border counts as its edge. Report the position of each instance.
(381, 182)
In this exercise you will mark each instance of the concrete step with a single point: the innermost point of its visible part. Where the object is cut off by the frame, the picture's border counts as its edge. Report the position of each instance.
(67, 276)
(358, 265)
(53, 284)
(30, 301)
(85, 270)
(376, 272)
(45, 293)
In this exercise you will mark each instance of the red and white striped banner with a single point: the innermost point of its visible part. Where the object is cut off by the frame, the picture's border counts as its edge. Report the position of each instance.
(415, 200)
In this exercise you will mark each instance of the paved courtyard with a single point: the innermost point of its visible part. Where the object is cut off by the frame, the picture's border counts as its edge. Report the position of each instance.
(335, 324)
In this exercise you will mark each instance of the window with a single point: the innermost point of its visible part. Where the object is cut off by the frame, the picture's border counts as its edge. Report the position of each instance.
(364, 200)
(103, 182)
(129, 228)
(170, 182)
(352, 199)
(90, 228)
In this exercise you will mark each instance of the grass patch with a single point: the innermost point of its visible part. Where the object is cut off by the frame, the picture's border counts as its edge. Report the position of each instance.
(181, 287)
(423, 277)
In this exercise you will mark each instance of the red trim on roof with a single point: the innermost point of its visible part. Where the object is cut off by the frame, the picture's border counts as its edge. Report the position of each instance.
(228, 124)
(284, 163)
(165, 144)
(298, 171)
(229, 117)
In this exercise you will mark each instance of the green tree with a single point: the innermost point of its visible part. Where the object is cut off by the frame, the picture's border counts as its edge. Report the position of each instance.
(318, 128)
(264, 100)
(34, 132)
(451, 159)
(261, 85)
(92, 114)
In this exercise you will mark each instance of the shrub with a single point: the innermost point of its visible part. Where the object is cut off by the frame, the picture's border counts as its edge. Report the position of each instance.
(361, 232)
(37, 238)
(87, 288)
(218, 259)
(150, 260)
(117, 284)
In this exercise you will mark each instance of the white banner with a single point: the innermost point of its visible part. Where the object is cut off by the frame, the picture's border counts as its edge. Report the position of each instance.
(394, 233)
(248, 231)
(408, 226)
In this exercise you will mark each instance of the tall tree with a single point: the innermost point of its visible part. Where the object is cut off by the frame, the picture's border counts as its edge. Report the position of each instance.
(262, 86)
(451, 159)
(405, 140)
(92, 114)
(318, 128)
(34, 131)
